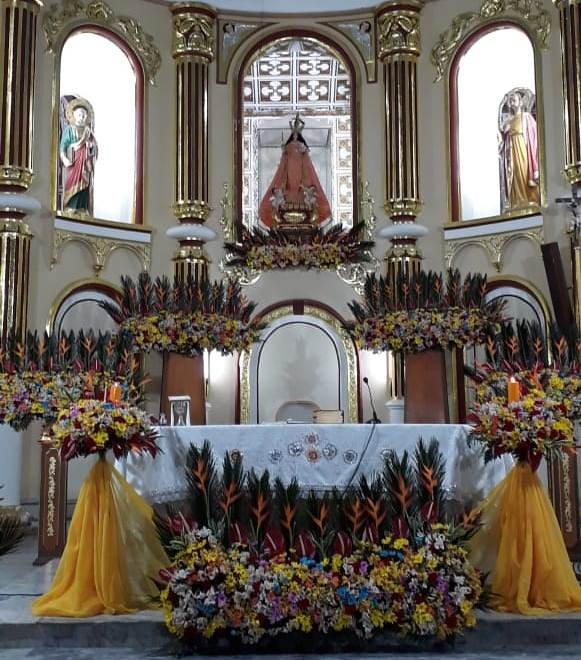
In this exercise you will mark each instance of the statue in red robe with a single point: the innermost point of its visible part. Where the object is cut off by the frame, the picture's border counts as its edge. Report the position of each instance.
(295, 188)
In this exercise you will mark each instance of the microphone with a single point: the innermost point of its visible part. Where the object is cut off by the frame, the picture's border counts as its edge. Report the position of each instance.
(375, 419)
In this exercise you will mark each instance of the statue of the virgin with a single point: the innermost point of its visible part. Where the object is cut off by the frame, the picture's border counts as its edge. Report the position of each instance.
(295, 189)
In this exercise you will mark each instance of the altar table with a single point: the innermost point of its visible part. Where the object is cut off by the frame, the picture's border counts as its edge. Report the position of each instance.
(320, 456)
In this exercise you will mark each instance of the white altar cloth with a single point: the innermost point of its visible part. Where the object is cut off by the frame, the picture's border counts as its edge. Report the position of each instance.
(319, 456)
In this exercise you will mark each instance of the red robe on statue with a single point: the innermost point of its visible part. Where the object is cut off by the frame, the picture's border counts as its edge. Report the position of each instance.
(294, 174)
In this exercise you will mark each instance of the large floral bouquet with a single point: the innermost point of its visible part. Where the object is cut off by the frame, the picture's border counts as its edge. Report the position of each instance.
(426, 592)
(533, 427)
(420, 330)
(423, 313)
(326, 249)
(189, 334)
(91, 427)
(39, 395)
(185, 318)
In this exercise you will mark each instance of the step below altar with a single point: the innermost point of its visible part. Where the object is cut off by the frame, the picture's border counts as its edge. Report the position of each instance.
(320, 457)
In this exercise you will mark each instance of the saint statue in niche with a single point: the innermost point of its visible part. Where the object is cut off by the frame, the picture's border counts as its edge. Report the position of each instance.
(78, 152)
(295, 197)
(519, 157)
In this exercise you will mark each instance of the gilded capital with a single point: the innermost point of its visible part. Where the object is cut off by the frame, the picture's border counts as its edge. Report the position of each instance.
(563, 4)
(398, 28)
(194, 27)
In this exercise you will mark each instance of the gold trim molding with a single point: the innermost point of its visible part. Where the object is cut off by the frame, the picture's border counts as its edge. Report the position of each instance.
(193, 32)
(99, 247)
(403, 207)
(352, 412)
(12, 175)
(493, 245)
(85, 282)
(530, 12)
(195, 209)
(60, 18)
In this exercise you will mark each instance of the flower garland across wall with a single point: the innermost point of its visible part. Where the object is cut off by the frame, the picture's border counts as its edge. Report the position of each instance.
(185, 318)
(423, 313)
(326, 249)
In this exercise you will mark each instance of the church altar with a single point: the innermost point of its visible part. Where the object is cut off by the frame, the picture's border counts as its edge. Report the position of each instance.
(319, 456)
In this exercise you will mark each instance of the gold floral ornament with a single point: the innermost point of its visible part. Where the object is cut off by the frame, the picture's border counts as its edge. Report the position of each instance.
(424, 313)
(531, 12)
(59, 19)
(186, 318)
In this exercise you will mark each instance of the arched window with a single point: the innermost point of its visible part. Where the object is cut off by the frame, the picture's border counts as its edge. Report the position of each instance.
(99, 128)
(77, 308)
(495, 126)
(281, 77)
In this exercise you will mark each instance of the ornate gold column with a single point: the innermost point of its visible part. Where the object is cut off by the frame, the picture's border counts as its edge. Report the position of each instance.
(398, 27)
(570, 20)
(18, 48)
(193, 51)
(18, 19)
(564, 473)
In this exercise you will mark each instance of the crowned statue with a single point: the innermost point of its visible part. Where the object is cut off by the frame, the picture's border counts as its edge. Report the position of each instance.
(295, 200)
(78, 152)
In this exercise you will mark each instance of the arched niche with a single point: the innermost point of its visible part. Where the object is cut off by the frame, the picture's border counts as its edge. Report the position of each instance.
(305, 357)
(290, 71)
(77, 307)
(496, 158)
(101, 62)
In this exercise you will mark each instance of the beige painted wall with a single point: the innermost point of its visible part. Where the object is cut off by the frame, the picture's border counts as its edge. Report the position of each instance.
(522, 258)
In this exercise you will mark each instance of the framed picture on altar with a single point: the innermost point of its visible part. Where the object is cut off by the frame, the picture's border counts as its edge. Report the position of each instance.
(179, 410)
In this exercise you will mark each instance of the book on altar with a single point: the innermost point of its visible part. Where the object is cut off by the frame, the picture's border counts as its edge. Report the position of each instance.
(328, 417)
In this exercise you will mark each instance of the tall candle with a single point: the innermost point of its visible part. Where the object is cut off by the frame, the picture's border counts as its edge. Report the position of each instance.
(115, 393)
(513, 390)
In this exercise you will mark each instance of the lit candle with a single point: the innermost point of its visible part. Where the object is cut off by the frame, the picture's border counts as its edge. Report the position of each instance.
(115, 393)
(513, 390)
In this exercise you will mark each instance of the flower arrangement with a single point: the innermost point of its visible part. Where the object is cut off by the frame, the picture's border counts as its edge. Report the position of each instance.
(429, 591)
(528, 429)
(91, 427)
(423, 314)
(185, 318)
(326, 249)
(251, 561)
(42, 376)
(536, 420)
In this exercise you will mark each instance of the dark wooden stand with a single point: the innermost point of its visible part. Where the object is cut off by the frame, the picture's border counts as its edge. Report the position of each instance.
(426, 388)
(184, 375)
(52, 523)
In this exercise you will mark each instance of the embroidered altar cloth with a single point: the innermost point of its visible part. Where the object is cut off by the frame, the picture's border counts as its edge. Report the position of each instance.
(319, 456)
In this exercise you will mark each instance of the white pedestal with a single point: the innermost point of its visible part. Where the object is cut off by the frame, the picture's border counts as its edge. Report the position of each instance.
(10, 465)
(395, 411)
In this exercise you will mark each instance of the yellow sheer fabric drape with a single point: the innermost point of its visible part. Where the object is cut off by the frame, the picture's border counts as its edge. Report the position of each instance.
(112, 552)
(522, 547)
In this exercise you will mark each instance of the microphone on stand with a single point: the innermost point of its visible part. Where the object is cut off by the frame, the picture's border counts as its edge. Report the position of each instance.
(375, 419)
